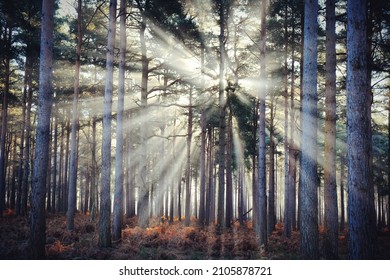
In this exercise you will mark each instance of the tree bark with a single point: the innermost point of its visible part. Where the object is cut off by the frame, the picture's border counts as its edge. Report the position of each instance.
(287, 208)
(94, 186)
(330, 185)
(229, 171)
(210, 203)
(37, 238)
(118, 196)
(188, 165)
(65, 188)
(292, 157)
(55, 157)
(271, 180)
(222, 119)
(27, 77)
(262, 181)
(309, 178)
(342, 203)
(360, 188)
(143, 193)
(4, 117)
(75, 123)
(202, 193)
(105, 199)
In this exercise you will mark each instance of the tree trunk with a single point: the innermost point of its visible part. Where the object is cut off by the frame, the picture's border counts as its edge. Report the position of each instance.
(330, 185)
(229, 171)
(94, 174)
(342, 203)
(188, 165)
(309, 178)
(299, 140)
(60, 171)
(37, 237)
(262, 181)
(65, 188)
(210, 213)
(271, 183)
(360, 188)
(143, 191)
(75, 123)
(202, 209)
(48, 185)
(292, 156)
(240, 195)
(12, 187)
(27, 78)
(130, 176)
(255, 218)
(118, 197)
(388, 162)
(85, 207)
(54, 180)
(287, 206)
(105, 199)
(222, 119)
(4, 117)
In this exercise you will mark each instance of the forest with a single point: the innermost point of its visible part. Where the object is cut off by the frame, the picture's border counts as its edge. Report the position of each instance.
(195, 129)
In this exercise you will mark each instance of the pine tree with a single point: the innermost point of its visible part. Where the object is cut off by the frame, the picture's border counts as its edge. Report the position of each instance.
(309, 178)
(105, 195)
(360, 188)
(37, 202)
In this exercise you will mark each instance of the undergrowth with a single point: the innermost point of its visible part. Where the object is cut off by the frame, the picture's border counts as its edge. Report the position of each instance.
(161, 241)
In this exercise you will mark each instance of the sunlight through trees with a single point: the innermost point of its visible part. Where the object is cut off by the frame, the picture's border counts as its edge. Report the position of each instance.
(225, 123)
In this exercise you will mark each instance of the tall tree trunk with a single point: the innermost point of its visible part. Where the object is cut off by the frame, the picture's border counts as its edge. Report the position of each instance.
(255, 174)
(118, 196)
(27, 77)
(360, 188)
(65, 164)
(60, 171)
(94, 174)
(202, 198)
(229, 172)
(262, 181)
(130, 209)
(299, 140)
(342, 203)
(222, 118)
(66, 169)
(379, 208)
(287, 208)
(54, 180)
(143, 194)
(4, 117)
(171, 204)
(388, 163)
(210, 213)
(129, 171)
(75, 123)
(271, 180)
(309, 178)
(85, 208)
(330, 185)
(12, 187)
(105, 199)
(240, 195)
(292, 156)
(37, 237)
(48, 185)
(188, 165)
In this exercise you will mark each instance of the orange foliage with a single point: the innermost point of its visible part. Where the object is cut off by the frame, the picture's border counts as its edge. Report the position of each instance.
(160, 241)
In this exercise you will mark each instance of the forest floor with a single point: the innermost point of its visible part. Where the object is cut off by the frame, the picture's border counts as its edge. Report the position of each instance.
(161, 241)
